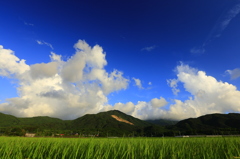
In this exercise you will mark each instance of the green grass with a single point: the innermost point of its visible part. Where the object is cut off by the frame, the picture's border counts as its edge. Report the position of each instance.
(119, 148)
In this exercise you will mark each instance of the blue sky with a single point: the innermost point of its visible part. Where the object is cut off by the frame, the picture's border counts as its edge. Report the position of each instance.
(150, 59)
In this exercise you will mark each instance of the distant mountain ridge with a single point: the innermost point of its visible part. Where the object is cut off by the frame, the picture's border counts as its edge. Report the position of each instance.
(231, 120)
(110, 122)
(117, 123)
(40, 121)
(162, 122)
(211, 124)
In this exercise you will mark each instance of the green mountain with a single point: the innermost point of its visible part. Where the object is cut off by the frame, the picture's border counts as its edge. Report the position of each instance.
(116, 123)
(108, 119)
(44, 122)
(40, 122)
(8, 120)
(110, 123)
(211, 124)
(162, 122)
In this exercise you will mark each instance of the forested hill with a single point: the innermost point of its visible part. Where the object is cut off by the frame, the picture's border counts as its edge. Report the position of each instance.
(109, 119)
(116, 123)
(211, 124)
(111, 122)
(38, 122)
(113, 118)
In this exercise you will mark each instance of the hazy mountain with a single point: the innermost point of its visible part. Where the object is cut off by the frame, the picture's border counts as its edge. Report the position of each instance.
(162, 122)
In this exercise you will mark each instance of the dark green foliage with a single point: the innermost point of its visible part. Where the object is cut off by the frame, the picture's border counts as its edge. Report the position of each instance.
(214, 124)
(104, 120)
(8, 120)
(40, 122)
(103, 124)
(15, 132)
(43, 122)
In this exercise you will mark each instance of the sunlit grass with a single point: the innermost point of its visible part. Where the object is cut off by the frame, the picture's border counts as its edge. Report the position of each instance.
(123, 148)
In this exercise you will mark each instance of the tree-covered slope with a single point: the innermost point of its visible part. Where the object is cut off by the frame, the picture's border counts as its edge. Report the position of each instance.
(43, 122)
(211, 124)
(231, 120)
(113, 122)
(117, 123)
(109, 120)
(8, 120)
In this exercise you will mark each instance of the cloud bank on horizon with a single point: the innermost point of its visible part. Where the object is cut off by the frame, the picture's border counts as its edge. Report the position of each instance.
(81, 85)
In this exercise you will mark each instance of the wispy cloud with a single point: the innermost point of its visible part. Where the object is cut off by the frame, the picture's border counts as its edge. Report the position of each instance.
(29, 24)
(197, 51)
(235, 73)
(44, 43)
(138, 83)
(228, 17)
(173, 83)
(222, 23)
(149, 48)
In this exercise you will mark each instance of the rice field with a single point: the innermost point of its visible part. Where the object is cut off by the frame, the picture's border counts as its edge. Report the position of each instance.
(119, 148)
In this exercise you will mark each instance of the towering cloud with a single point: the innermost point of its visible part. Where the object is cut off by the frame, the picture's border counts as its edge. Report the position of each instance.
(64, 89)
(207, 95)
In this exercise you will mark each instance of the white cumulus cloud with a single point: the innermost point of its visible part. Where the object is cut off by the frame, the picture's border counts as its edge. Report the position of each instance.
(157, 103)
(208, 95)
(64, 89)
(80, 85)
(143, 109)
(11, 65)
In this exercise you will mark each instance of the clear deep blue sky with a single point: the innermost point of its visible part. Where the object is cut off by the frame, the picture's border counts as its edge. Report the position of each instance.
(159, 47)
